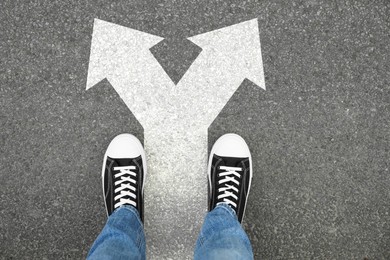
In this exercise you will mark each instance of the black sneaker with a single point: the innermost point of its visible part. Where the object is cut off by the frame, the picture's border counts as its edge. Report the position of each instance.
(123, 174)
(230, 173)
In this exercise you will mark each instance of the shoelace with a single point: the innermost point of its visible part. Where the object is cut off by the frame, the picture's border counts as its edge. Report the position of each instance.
(124, 187)
(230, 175)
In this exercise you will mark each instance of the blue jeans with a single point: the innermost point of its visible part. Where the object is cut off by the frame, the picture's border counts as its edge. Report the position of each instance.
(221, 237)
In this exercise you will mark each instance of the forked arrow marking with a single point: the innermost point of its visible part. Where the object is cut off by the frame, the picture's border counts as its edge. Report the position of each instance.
(175, 117)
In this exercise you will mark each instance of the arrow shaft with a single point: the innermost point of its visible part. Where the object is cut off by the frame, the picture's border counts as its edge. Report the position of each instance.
(175, 185)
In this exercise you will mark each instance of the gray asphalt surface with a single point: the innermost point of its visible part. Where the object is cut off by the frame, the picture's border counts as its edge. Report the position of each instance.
(319, 134)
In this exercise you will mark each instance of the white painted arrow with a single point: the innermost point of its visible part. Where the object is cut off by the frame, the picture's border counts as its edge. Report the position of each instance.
(229, 55)
(175, 118)
(122, 55)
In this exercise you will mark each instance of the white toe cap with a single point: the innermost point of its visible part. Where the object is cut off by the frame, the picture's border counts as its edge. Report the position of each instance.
(231, 145)
(124, 146)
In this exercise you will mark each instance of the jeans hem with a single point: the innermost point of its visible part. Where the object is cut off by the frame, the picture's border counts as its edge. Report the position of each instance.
(133, 210)
(226, 207)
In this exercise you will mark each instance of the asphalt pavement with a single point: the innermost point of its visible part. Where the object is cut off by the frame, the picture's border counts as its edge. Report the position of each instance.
(319, 133)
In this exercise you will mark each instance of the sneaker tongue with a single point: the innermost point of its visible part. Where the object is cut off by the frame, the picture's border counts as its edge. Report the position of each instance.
(123, 162)
(231, 161)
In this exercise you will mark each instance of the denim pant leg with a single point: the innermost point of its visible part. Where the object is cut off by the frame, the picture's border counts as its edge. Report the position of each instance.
(121, 238)
(222, 236)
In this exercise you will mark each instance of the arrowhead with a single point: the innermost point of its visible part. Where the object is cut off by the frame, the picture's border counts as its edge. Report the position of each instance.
(115, 49)
(237, 48)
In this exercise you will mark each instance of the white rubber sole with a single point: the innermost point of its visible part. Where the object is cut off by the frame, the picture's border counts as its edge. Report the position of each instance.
(133, 142)
(216, 146)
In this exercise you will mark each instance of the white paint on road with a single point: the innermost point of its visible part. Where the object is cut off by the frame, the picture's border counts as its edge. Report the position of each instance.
(175, 118)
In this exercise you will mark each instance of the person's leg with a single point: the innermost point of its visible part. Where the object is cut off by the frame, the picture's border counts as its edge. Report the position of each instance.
(222, 236)
(121, 238)
(123, 175)
(230, 176)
